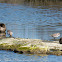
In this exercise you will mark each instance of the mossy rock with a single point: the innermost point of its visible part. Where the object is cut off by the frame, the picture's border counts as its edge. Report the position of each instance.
(41, 50)
(58, 53)
(30, 45)
(23, 48)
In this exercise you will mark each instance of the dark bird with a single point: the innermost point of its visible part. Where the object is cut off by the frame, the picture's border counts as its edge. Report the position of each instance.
(60, 40)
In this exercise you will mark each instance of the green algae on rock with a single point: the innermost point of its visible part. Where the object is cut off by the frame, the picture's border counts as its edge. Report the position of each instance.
(34, 46)
(58, 53)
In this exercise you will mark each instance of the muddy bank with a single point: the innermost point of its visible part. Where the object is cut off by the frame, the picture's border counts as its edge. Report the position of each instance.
(32, 46)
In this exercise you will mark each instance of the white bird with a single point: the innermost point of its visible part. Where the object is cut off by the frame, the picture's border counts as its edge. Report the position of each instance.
(55, 35)
(9, 32)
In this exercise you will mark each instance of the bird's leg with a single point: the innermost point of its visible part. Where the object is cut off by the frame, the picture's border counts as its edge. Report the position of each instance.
(10, 36)
(54, 38)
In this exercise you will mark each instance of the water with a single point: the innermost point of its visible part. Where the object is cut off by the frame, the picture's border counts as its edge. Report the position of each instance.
(7, 56)
(34, 20)
(31, 21)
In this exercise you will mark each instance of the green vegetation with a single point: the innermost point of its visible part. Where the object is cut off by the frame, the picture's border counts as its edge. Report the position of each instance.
(32, 46)
(58, 53)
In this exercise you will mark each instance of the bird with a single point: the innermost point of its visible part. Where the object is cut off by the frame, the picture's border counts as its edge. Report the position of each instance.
(55, 35)
(9, 32)
(60, 40)
(2, 29)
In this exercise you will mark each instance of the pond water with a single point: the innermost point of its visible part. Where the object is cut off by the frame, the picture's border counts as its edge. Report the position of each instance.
(33, 20)
(7, 56)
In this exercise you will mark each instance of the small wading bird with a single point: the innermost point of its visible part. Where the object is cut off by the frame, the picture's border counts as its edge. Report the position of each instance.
(9, 32)
(55, 35)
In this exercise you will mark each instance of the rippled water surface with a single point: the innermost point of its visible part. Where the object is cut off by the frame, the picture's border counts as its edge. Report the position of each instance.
(6, 56)
(36, 22)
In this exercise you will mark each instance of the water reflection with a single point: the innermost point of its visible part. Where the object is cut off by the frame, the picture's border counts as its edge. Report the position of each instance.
(6, 56)
(35, 21)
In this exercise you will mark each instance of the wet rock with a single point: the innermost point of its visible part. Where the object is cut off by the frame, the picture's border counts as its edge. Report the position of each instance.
(20, 52)
(30, 46)
(57, 53)
(15, 51)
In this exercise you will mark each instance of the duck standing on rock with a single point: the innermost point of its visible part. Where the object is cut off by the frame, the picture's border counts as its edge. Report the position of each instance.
(55, 35)
(9, 32)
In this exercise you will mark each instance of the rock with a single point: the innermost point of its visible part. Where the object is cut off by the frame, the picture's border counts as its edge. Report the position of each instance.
(30, 46)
